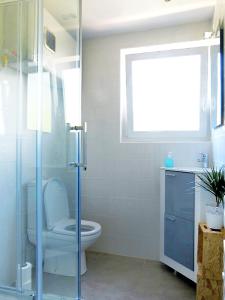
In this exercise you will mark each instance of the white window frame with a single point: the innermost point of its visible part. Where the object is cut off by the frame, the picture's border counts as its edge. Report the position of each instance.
(215, 93)
(178, 49)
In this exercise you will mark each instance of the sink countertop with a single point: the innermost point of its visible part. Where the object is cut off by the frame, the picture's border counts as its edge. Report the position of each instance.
(195, 170)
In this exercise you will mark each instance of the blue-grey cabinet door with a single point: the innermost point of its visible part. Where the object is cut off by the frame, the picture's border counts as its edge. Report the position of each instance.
(169, 236)
(184, 253)
(179, 240)
(180, 194)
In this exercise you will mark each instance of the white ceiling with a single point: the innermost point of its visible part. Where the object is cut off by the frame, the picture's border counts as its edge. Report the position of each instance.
(103, 17)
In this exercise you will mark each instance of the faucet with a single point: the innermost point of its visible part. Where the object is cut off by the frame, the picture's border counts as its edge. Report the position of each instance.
(204, 159)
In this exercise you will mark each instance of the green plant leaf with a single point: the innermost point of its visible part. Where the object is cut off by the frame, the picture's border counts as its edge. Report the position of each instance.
(213, 181)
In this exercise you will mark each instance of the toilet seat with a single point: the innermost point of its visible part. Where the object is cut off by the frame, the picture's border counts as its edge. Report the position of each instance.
(67, 227)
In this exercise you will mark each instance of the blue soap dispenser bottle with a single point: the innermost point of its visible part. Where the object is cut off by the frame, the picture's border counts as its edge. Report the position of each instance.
(169, 162)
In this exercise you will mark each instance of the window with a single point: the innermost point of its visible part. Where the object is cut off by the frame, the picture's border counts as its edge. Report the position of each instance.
(72, 99)
(217, 113)
(32, 102)
(164, 94)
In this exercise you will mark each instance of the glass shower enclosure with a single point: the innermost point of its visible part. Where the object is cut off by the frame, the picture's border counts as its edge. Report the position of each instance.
(42, 150)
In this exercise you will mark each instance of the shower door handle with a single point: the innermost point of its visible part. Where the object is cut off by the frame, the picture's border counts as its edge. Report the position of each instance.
(84, 146)
(83, 130)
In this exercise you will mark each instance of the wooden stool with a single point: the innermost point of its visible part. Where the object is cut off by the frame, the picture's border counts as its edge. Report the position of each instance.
(210, 264)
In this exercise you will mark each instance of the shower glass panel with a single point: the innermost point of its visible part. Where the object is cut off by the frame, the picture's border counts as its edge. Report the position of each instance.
(60, 148)
(8, 130)
(17, 151)
(41, 137)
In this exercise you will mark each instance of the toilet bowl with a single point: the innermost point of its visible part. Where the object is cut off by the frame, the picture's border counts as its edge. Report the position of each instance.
(59, 230)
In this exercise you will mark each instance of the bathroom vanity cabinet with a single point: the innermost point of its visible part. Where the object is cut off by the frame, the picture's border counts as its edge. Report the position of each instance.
(182, 207)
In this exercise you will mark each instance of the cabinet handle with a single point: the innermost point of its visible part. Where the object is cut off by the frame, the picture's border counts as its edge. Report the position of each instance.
(170, 174)
(171, 218)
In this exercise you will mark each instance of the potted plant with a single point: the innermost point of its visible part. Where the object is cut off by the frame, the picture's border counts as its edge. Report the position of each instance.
(213, 181)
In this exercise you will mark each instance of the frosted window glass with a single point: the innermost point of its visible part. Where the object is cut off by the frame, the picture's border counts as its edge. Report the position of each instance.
(72, 99)
(219, 102)
(166, 94)
(32, 102)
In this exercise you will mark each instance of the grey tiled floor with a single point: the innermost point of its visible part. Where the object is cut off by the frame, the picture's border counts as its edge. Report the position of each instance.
(111, 277)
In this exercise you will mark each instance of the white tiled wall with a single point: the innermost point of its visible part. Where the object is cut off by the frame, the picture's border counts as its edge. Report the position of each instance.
(218, 142)
(9, 102)
(121, 185)
(7, 175)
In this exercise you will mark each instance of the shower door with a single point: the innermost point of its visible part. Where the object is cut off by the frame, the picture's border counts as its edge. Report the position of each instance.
(60, 149)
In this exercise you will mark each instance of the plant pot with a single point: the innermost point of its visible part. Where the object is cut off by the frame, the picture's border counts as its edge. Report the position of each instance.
(214, 217)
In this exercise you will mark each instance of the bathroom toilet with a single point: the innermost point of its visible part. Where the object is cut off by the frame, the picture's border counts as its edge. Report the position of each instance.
(59, 238)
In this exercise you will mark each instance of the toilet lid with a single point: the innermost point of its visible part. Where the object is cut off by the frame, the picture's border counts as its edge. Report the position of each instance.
(55, 202)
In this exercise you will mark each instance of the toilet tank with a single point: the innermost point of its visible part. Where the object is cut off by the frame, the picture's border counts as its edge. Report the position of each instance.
(31, 204)
(55, 202)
